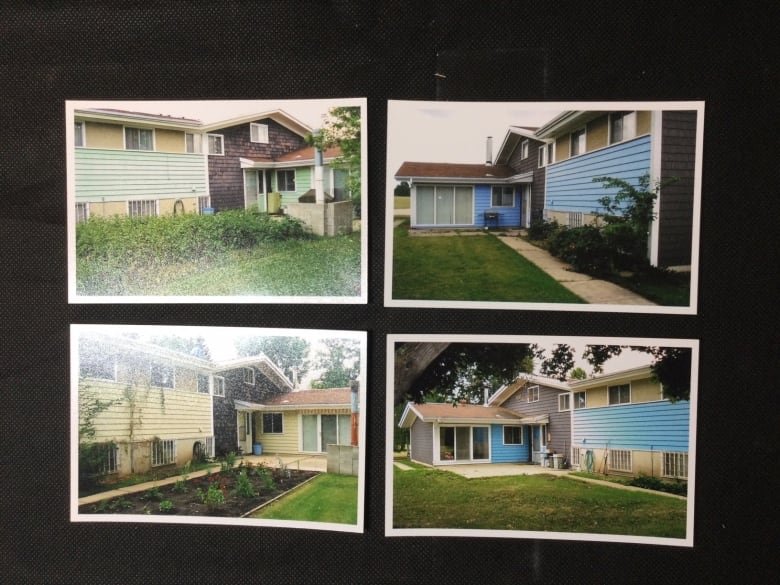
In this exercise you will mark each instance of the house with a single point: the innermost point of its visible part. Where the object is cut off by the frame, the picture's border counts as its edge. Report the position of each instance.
(625, 145)
(165, 406)
(548, 172)
(159, 403)
(621, 424)
(522, 422)
(139, 164)
(134, 163)
(504, 193)
(304, 421)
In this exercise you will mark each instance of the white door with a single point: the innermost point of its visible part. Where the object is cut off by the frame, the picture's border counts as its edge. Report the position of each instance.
(254, 197)
(244, 422)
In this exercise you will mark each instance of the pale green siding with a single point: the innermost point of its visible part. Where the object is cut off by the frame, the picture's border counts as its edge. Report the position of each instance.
(121, 175)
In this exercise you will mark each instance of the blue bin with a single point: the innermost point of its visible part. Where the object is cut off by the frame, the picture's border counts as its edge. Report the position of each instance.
(257, 449)
(208, 211)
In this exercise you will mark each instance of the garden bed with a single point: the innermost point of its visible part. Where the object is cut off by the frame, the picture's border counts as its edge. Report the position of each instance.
(224, 494)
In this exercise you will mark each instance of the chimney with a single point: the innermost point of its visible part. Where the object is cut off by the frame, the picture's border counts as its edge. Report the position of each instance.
(489, 151)
(295, 378)
(486, 397)
(319, 193)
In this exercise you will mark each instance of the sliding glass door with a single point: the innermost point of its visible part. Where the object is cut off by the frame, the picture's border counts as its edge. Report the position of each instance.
(464, 443)
(440, 205)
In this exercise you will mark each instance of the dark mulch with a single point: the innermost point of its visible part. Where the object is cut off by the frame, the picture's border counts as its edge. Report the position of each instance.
(189, 502)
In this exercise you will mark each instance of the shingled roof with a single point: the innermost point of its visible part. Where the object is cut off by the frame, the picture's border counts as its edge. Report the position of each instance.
(452, 171)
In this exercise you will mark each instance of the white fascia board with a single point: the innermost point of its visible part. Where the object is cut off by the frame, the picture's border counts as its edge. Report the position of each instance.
(567, 121)
(616, 377)
(409, 412)
(457, 180)
(136, 120)
(279, 116)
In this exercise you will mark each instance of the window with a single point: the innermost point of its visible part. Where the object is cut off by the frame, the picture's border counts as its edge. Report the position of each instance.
(144, 208)
(219, 386)
(216, 144)
(82, 212)
(503, 196)
(546, 154)
(580, 400)
(622, 126)
(258, 133)
(204, 202)
(513, 435)
(564, 402)
(285, 180)
(249, 376)
(139, 139)
(577, 142)
(575, 456)
(97, 365)
(464, 443)
(78, 133)
(273, 422)
(163, 452)
(533, 394)
(203, 384)
(208, 443)
(675, 465)
(619, 460)
(620, 394)
(192, 143)
(524, 149)
(162, 375)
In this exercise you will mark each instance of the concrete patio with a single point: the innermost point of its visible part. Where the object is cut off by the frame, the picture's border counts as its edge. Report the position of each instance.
(475, 470)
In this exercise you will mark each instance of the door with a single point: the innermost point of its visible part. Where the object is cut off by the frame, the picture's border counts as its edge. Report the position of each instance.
(330, 432)
(444, 205)
(251, 189)
(244, 423)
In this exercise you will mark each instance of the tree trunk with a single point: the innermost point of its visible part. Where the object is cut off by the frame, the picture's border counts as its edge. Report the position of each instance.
(411, 360)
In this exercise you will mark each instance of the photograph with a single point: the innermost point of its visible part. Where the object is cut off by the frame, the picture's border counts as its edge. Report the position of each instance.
(214, 425)
(217, 201)
(588, 206)
(569, 438)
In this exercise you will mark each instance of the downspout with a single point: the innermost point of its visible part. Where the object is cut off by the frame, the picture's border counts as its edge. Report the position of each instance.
(354, 408)
(319, 192)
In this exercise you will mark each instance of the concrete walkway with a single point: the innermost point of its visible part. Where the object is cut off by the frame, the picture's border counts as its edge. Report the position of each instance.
(298, 462)
(589, 289)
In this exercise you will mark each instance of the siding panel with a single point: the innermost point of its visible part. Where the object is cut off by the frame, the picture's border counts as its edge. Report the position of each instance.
(500, 453)
(560, 425)
(421, 442)
(510, 216)
(661, 426)
(570, 185)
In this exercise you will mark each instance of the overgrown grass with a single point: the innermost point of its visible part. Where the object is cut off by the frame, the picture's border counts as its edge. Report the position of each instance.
(468, 268)
(231, 253)
(327, 498)
(431, 498)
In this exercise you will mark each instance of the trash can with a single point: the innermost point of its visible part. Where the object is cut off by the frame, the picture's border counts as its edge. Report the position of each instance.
(257, 449)
(557, 461)
(208, 211)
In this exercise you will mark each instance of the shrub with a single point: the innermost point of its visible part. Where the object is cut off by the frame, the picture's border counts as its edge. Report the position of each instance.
(585, 248)
(654, 483)
(542, 230)
(213, 497)
(166, 507)
(228, 462)
(244, 487)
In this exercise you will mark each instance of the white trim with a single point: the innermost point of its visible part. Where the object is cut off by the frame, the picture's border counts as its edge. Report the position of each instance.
(492, 203)
(624, 114)
(82, 134)
(525, 149)
(197, 142)
(630, 394)
(624, 456)
(244, 372)
(222, 145)
(295, 180)
(574, 399)
(437, 444)
(263, 134)
(503, 434)
(656, 135)
(526, 192)
(584, 130)
(262, 422)
(413, 206)
(217, 382)
(536, 392)
(144, 204)
(569, 400)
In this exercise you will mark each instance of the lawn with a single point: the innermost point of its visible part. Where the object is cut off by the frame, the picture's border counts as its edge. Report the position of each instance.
(431, 498)
(309, 267)
(328, 498)
(401, 202)
(468, 268)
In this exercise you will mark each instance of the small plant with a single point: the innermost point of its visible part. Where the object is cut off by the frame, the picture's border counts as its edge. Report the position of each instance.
(228, 462)
(153, 494)
(180, 486)
(166, 507)
(266, 477)
(283, 470)
(244, 487)
(213, 497)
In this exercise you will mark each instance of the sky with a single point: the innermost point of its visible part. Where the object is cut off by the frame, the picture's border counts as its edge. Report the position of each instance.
(456, 132)
(626, 360)
(309, 112)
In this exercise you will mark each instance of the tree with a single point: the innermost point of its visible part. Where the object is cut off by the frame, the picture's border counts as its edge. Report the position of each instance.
(290, 354)
(339, 361)
(341, 128)
(194, 346)
(402, 189)
(464, 371)
(578, 374)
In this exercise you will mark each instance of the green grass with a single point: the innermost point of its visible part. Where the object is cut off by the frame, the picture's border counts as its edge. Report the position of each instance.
(431, 498)
(315, 267)
(468, 268)
(662, 287)
(327, 498)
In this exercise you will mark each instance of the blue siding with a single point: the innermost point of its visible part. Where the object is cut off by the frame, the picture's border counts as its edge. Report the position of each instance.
(509, 216)
(501, 453)
(661, 426)
(570, 185)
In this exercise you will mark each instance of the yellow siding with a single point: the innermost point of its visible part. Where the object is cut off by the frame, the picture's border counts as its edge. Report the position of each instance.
(107, 208)
(645, 390)
(562, 148)
(643, 122)
(169, 140)
(139, 412)
(286, 442)
(99, 135)
(597, 133)
(597, 397)
(190, 205)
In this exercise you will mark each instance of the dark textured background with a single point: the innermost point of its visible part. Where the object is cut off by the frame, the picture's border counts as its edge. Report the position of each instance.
(489, 51)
